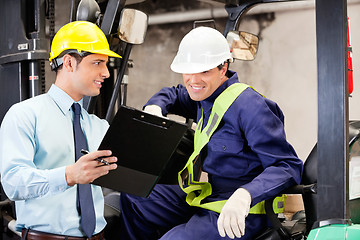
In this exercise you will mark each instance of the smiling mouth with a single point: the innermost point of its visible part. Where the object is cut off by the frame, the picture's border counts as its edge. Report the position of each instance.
(98, 83)
(196, 87)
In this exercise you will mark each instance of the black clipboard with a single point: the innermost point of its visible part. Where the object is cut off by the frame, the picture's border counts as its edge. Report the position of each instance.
(143, 144)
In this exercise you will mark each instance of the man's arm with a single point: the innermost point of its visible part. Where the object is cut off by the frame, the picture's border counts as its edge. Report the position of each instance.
(262, 123)
(265, 133)
(174, 100)
(20, 177)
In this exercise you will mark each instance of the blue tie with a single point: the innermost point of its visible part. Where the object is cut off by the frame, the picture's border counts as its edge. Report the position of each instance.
(84, 198)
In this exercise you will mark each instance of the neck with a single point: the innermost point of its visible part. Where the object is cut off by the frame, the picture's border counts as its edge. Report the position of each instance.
(66, 87)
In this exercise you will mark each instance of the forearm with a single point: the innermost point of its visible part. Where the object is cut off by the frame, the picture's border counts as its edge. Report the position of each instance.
(174, 100)
(22, 183)
(274, 180)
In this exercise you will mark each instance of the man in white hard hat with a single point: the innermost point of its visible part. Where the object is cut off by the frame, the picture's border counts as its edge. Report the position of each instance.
(241, 140)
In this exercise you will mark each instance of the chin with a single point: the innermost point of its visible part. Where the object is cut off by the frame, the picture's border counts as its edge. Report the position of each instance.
(93, 93)
(196, 98)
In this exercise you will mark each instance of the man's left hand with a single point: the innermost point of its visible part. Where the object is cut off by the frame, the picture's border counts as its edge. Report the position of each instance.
(231, 221)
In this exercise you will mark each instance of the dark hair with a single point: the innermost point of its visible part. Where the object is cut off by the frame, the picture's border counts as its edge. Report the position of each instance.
(75, 55)
(223, 64)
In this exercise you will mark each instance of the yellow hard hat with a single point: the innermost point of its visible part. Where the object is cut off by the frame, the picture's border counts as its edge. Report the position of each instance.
(82, 36)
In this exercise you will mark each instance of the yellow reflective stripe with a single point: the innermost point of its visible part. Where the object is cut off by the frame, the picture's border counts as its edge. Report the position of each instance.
(221, 105)
(278, 206)
(259, 208)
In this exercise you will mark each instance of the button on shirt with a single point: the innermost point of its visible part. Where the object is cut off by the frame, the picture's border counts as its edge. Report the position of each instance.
(36, 144)
(249, 149)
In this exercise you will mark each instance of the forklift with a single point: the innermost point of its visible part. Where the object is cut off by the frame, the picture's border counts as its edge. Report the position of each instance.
(325, 184)
(24, 51)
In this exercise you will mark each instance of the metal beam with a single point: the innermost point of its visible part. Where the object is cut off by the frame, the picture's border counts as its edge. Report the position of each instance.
(333, 116)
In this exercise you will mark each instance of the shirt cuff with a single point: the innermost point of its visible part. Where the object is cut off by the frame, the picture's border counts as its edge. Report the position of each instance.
(57, 180)
(254, 192)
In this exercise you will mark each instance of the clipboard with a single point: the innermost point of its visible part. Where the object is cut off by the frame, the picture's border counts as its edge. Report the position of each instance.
(143, 144)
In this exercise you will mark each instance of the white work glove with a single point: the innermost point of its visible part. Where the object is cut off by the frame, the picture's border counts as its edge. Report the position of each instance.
(231, 221)
(154, 110)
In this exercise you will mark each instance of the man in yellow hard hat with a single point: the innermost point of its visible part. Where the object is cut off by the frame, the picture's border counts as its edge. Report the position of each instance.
(41, 139)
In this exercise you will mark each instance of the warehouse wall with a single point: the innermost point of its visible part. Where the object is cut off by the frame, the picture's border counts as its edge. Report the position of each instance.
(284, 69)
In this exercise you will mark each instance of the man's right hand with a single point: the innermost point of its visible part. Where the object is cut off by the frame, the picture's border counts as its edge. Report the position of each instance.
(86, 169)
(154, 110)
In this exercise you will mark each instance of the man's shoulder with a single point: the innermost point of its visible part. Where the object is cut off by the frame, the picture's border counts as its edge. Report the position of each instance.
(251, 101)
(34, 100)
(29, 106)
(93, 119)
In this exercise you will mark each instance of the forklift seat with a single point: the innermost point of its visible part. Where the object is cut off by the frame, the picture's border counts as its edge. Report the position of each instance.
(298, 228)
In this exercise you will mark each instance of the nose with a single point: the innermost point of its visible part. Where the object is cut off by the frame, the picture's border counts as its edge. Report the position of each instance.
(193, 78)
(105, 72)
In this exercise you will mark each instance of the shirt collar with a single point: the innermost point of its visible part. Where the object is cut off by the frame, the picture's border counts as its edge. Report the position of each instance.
(62, 99)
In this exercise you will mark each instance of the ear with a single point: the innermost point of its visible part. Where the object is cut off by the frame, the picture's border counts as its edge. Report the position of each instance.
(224, 69)
(68, 63)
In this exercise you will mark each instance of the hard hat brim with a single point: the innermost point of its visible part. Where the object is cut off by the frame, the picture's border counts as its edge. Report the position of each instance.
(191, 68)
(103, 52)
(107, 52)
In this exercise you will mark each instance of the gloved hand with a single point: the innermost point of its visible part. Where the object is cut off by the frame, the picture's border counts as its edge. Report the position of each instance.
(231, 221)
(154, 110)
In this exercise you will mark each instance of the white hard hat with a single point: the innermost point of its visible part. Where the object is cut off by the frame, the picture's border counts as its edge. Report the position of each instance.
(202, 49)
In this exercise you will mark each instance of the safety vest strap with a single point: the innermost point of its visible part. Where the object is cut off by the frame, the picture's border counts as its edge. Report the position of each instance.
(278, 206)
(197, 191)
(259, 208)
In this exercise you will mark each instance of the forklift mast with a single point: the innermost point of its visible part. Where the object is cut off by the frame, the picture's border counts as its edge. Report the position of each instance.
(333, 110)
(24, 48)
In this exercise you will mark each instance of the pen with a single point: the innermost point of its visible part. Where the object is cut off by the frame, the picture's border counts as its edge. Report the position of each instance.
(83, 151)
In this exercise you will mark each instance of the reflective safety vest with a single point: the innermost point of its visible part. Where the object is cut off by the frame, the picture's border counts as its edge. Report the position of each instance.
(197, 191)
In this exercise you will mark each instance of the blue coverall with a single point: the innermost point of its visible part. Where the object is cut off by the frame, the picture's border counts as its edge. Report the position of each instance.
(248, 150)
